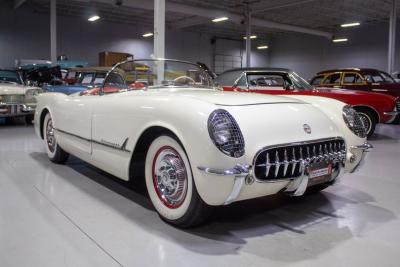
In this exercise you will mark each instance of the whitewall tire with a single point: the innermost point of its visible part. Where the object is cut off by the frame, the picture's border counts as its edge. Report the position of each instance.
(170, 184)
(54, 151)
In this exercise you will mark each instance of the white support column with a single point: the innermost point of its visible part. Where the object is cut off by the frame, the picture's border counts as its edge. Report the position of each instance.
(159, 37)
(392, 38)
(159, 28)
(248, 40)
(53, 31)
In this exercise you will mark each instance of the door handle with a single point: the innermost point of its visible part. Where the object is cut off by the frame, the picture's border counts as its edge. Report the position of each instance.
(380, 90)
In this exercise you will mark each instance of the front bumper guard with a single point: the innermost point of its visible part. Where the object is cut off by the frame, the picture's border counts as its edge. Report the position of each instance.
(239, 172)
(364, 149)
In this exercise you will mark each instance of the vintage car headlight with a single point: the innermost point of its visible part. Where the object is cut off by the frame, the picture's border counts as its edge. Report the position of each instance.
(354, 121)
(225, 133)
(30, 95)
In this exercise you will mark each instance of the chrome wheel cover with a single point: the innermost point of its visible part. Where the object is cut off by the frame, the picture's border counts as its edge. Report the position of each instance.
(366, 121)
(50, 138)
(170, 177)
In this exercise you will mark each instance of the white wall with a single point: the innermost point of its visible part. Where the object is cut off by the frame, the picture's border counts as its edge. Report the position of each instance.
(367, 47)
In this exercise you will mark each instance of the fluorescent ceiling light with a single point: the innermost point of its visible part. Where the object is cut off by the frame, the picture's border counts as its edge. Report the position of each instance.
(339, 40)
(251, 37)
(262, 47)
(148, 34)
(220, 19)
(353, 24)
(94, 18)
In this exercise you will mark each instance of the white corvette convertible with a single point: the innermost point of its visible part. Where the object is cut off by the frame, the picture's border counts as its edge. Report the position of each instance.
(196, 146)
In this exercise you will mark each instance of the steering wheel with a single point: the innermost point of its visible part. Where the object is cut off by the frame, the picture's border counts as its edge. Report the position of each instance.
(184, 80)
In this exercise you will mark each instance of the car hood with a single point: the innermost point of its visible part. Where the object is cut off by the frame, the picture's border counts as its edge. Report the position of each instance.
(14, 89)
(220, 97)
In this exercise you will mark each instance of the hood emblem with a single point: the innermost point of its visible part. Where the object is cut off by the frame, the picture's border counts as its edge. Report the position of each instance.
(307, 128)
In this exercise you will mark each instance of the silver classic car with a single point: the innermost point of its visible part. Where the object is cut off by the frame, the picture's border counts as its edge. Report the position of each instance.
(16, 98)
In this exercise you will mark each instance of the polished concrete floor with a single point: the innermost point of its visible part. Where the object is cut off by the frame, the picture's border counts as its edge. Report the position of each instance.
(75, 215)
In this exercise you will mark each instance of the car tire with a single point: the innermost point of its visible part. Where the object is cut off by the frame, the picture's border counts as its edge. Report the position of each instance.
(55, 153)
(170, 184)
(369, 119)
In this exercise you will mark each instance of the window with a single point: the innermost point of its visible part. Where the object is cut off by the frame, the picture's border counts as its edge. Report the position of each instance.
(332, 79)
(10, 76)
(317, 80)
(241, 83)
(228, 78)
(352, 78)
(386, 77)
(86, 78)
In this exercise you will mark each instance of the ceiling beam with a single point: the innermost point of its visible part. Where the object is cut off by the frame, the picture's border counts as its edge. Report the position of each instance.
(18, 3)
(188, 22)
(215, 13)
(262, 7)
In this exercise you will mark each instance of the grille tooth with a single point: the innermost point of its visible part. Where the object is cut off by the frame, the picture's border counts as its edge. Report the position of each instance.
(267, 165)
(290, 161)
(294, 161)
(277, 163)
(285, 162)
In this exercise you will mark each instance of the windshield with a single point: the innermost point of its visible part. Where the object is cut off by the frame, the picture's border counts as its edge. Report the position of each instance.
(8, 76)
(156, 74)
(276, 80)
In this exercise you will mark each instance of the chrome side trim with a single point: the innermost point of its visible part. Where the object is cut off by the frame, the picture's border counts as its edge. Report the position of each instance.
(392, 113)
(240, 172)
(102, 142)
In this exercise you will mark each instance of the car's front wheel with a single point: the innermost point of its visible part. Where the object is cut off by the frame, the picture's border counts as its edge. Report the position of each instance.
(54, 151)
(369, 121)
(170, 184)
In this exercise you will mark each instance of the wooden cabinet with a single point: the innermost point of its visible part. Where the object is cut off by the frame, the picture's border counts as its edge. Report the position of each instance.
(109, 59)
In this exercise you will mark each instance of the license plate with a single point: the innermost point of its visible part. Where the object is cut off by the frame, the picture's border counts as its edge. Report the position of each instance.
(319, 173)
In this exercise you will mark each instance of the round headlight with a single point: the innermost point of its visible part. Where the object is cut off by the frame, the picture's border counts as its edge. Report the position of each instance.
(354, 121)
(30, 95)
(225, 133)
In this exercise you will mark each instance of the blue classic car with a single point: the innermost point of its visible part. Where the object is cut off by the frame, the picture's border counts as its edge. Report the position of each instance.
(80, 79)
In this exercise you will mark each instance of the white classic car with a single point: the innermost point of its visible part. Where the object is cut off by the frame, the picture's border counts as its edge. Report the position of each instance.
(196, 146)
(16, 99)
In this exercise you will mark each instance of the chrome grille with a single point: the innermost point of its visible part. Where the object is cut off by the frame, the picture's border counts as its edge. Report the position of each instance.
(290, 161)
(12, 99)
(398, 105)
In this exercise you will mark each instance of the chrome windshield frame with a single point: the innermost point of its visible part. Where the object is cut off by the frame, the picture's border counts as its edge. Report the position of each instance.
(101, 92)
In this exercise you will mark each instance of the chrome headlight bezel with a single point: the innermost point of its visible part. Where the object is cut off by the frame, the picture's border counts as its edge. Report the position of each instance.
(30, 95)
(225, 133)
(354, 121)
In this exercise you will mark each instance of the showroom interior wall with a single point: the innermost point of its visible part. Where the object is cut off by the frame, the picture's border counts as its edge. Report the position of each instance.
(25, 35)
(306, 54)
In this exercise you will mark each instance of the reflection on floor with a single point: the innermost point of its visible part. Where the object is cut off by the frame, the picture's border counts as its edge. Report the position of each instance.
(76, 215)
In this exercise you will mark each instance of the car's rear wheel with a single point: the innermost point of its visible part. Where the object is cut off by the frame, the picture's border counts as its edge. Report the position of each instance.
(369, 120)
(55, 153)
(170, 184)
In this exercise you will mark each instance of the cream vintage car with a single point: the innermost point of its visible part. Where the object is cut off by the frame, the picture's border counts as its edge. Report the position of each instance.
(16, 98)
(196, 146)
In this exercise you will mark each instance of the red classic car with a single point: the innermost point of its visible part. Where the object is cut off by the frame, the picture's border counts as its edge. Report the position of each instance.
(373, 107)
(358, 79)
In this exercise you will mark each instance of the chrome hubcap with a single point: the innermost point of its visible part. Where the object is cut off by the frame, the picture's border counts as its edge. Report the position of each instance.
(51, 140)
(366, 121)
(170, 177)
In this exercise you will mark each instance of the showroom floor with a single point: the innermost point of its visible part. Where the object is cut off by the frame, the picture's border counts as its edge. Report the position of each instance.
(75, 215)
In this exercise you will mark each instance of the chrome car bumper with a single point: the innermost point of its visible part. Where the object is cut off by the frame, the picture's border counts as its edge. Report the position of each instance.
(239, 172)
(13, 110)
(361, 150)
(242, 174)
